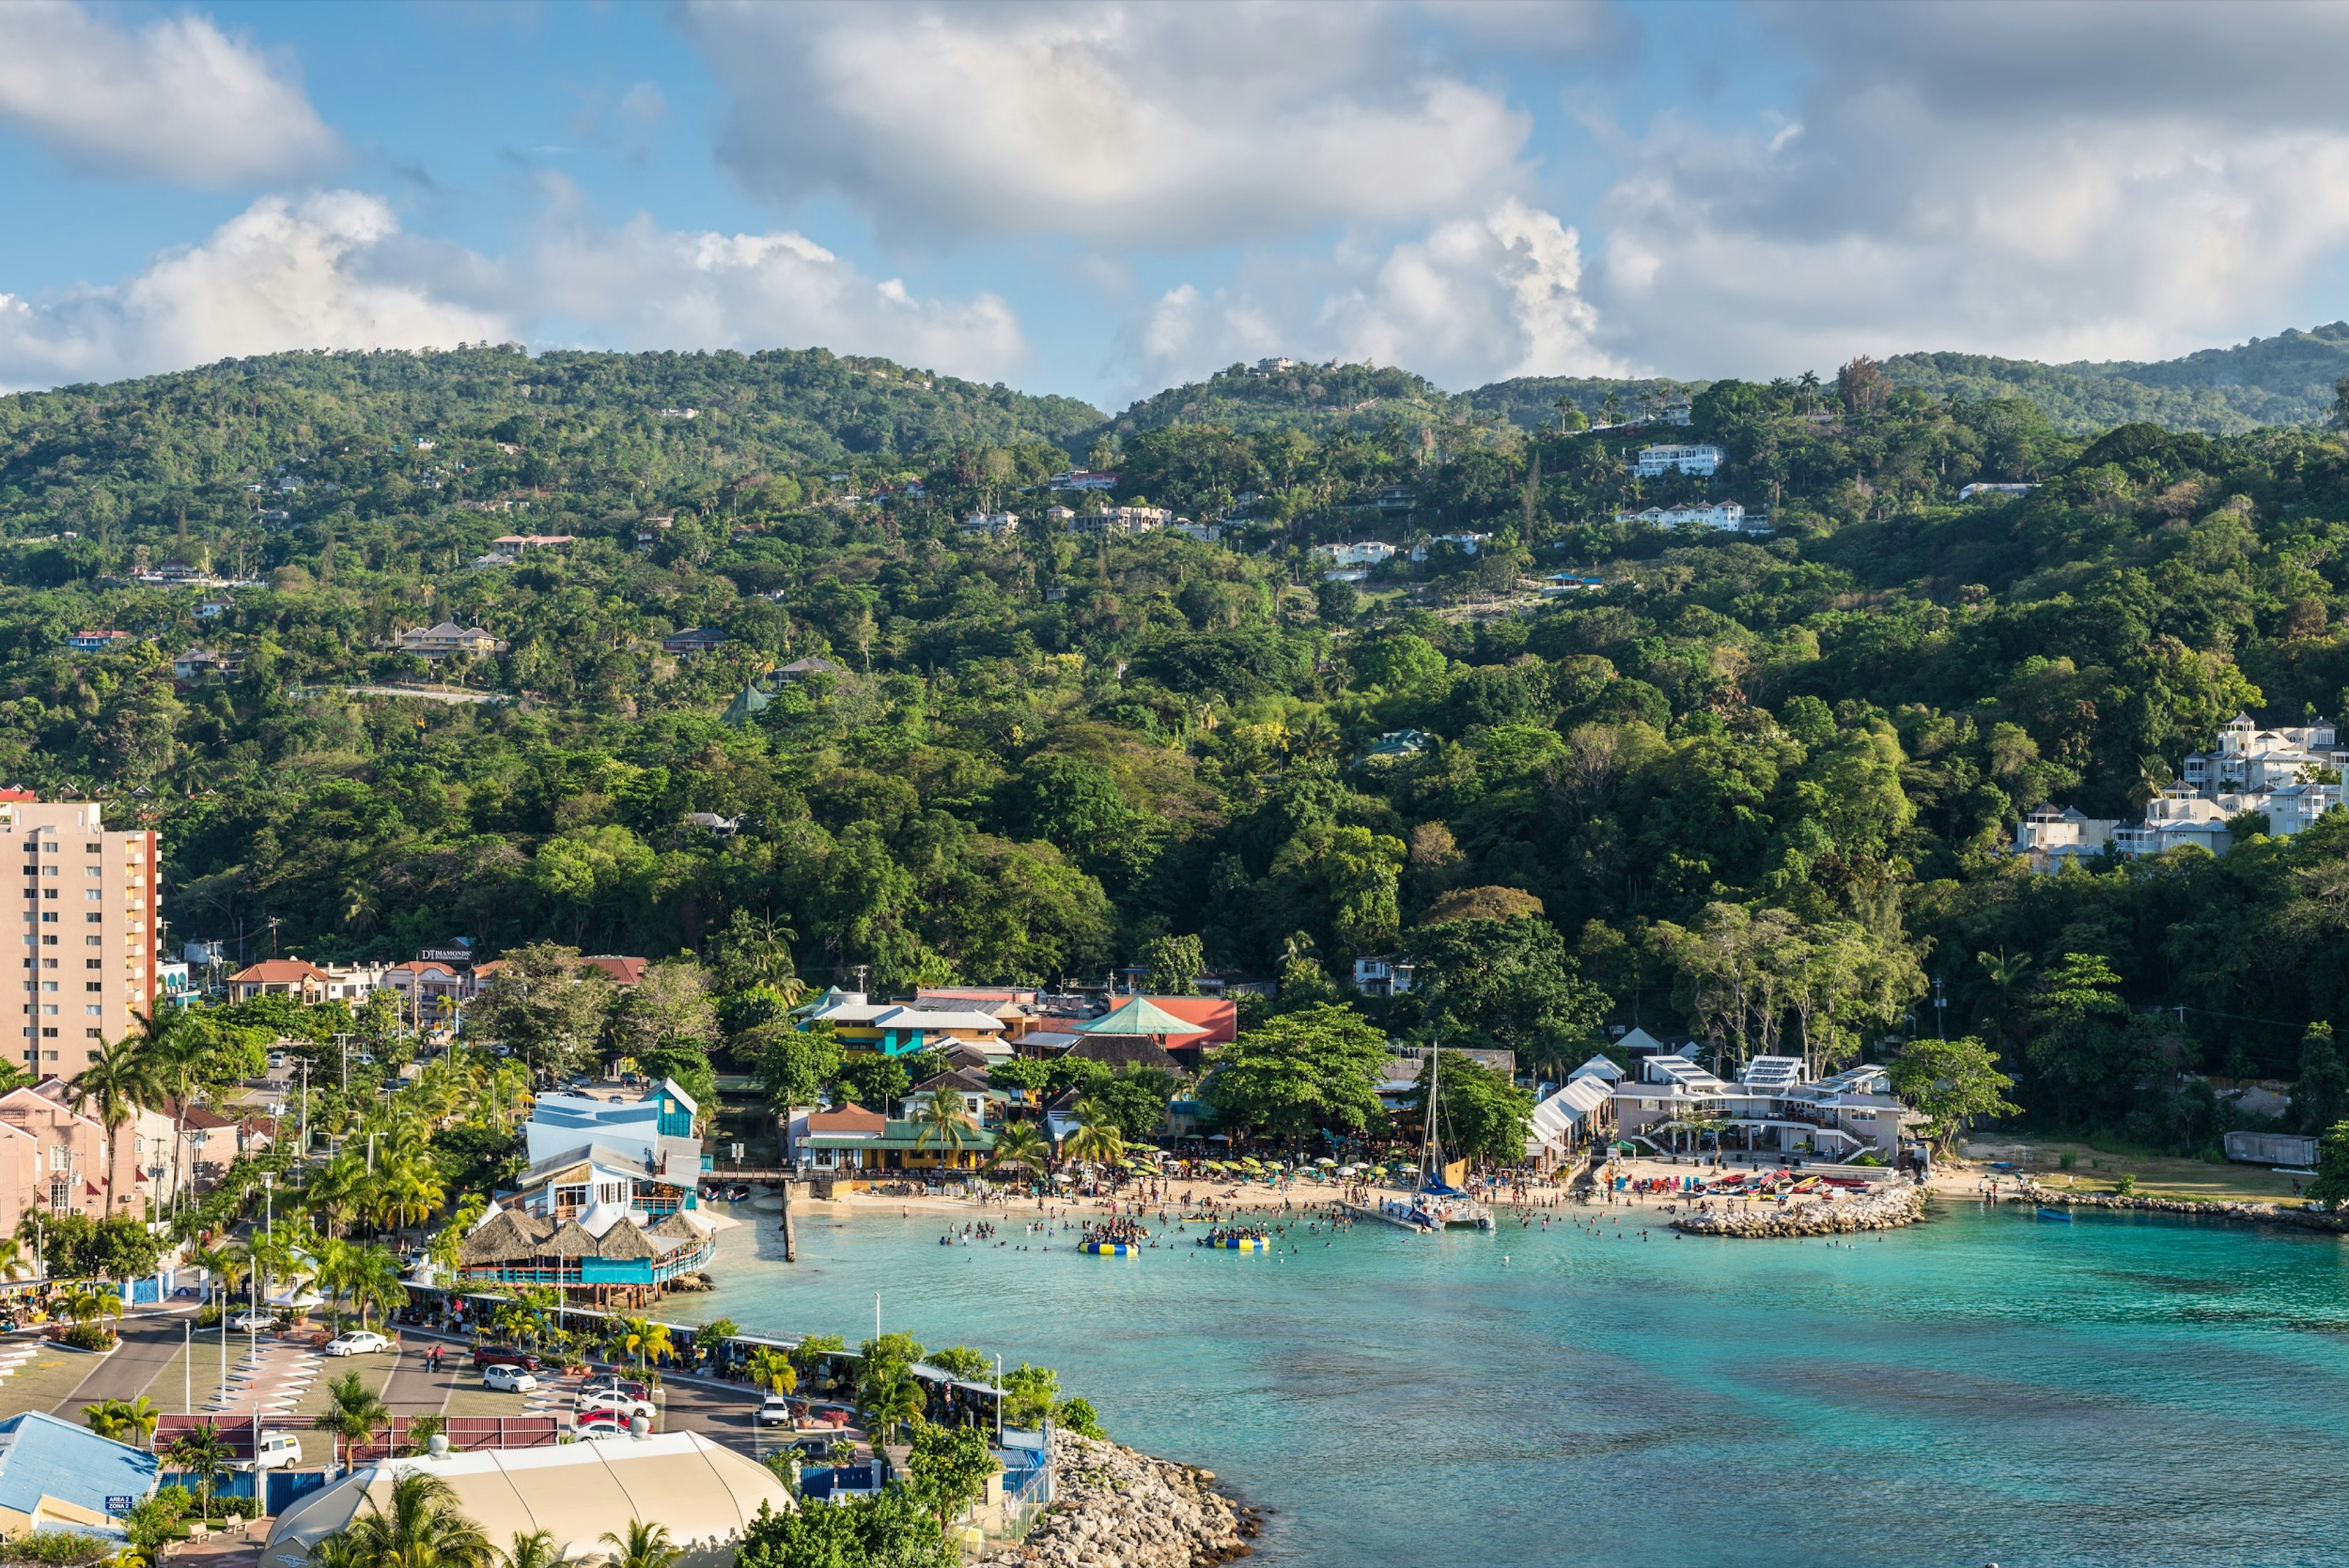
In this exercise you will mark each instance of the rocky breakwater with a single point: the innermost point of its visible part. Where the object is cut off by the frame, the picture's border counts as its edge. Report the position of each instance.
(1115, 1508)
(2291, 1215)
(1887, 1207)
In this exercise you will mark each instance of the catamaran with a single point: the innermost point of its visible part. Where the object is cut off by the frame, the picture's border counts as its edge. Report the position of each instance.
(1435, 1203)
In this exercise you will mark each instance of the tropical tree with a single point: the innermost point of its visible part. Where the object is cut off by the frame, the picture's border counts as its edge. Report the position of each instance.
(13, 1259)
(946, 1120)
(644, 1546)
(1097, 1138)
(887, 1404)
(1019, 1143)
(120, 1078)
(374, 1282)
(201, 1449)
(641, 1337)
(418, 1525)
(771, 1369)
(531, 1549)
(1951, 1082)
(125, 1421)
(354, 1415)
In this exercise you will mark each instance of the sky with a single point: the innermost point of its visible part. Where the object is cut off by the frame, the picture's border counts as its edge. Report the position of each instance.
(1102, 199)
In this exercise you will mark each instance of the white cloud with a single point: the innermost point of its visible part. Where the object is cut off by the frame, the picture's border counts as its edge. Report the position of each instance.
(332, 271)
(1471, 301)
(642, 286)
(335, 270)
(1124, 125)
(1977, 178)
(175, 100)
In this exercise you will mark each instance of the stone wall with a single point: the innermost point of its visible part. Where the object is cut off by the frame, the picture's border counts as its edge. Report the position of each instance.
(2284, 1214)
(1115, 1508)
(1889, 1207)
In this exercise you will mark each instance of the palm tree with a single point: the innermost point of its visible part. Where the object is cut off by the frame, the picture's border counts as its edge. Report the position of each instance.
(226, 1265)
(128, 1422)
(641, 1337)
(374, 1281)
(891, 1405)
(14, 1258)
(947, 1120)
(530, 1548)
(117, 1081)
(336, 1190)
(203, 1450)
(423, 1429)
(1018, 1143)
(771, 1369)
(174, 1065)
(335, 1268)
(1098, 1138)
(418, 1526)
(645, 1546)
(356, 1415)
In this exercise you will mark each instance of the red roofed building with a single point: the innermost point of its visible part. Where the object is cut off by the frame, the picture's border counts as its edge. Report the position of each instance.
(294, 977)
(621, 971)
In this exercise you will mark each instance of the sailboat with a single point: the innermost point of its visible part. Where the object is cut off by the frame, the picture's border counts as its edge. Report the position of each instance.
(1435, 1203)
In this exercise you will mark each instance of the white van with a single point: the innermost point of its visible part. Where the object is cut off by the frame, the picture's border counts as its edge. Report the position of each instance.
(278, 1450)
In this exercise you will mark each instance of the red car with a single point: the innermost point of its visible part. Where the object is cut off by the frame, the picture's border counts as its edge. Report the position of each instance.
(488, 1356)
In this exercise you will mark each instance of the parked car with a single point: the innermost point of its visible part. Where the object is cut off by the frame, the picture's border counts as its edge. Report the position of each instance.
(601, 1425)
(276, 1450)
(485, 1356)
(357, 1342)
(777, 1410)
(502, 1377)
(253, 1321)
(630, 1398)
(624, 1408)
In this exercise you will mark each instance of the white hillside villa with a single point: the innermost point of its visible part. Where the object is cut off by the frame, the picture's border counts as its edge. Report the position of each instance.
(1724, 516)
(2291, 775)
(1689, 459)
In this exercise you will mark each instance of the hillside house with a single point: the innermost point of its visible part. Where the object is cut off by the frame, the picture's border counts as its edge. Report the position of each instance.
(1656, 461)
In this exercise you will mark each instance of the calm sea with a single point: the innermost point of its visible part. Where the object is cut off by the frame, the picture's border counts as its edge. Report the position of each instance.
(1986, 1386)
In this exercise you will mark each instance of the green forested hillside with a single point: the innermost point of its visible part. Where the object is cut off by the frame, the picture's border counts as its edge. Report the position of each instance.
(1756, 788)
(2287, 379)
(613, 428)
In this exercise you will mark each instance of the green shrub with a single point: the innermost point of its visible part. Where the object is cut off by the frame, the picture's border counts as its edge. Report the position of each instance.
(56, 1546)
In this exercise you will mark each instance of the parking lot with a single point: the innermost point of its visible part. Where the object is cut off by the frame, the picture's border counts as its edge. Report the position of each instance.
(286, 1381)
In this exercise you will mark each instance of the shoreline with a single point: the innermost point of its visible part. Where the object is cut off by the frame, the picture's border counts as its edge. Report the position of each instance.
(1117, 1507)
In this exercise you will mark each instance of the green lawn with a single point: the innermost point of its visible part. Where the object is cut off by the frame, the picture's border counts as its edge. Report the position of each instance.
(2096, 1169)
(46, 1380)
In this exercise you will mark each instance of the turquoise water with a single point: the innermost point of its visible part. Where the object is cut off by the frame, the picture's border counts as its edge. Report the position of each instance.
(1984, 1388)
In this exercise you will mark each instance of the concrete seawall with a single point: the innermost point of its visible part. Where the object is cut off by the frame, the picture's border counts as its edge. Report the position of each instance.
(1886, 1209)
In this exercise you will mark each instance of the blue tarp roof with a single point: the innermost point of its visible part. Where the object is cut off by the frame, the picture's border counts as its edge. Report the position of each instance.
(41, 1456)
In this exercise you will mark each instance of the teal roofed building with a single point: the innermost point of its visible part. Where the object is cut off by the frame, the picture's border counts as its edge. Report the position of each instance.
(747, 704)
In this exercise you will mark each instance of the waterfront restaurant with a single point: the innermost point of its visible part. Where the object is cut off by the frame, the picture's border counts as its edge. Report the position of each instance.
(1773, 1108)
(600, 1257)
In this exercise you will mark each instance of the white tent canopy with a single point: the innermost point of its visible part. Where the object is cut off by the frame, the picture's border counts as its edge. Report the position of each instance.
(705, 1495)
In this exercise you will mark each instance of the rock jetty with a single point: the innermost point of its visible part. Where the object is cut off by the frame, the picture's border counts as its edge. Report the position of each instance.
(2291, 1215)
(1115, 1508)
(1887, 1207)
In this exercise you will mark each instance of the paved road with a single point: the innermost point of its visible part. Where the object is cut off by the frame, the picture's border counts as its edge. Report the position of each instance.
(410, 1390)
(149, 1344)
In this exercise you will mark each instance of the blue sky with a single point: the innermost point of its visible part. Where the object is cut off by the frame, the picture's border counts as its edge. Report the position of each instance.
(1102, 199)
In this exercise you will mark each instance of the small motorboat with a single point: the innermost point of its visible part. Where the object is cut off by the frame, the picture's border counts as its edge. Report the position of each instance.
(2047, 1213)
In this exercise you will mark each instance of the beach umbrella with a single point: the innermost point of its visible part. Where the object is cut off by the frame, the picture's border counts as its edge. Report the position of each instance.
(1325, 1159)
